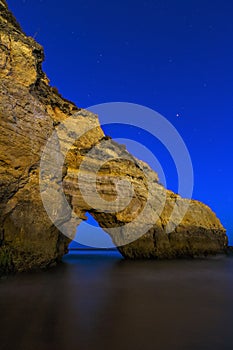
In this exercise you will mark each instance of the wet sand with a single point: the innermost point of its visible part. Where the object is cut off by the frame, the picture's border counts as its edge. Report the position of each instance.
(100, 301)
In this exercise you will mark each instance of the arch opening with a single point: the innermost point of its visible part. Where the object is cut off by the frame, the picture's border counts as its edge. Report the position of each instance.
(91, 237)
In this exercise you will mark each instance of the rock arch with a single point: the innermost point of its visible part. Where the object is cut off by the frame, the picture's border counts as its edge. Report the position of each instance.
(31, 110)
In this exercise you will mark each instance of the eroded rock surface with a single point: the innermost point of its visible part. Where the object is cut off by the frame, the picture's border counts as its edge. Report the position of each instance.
(30, 112)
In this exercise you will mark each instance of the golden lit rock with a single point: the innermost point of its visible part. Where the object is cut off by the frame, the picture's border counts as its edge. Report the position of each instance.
(30, 112)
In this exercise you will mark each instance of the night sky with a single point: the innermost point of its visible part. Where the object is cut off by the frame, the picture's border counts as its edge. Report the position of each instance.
(175, 57)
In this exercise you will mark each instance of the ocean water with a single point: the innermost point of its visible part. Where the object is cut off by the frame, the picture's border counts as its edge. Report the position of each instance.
(98, 300)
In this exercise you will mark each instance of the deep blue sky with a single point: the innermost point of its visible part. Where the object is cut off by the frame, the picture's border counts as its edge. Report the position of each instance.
(175, 57)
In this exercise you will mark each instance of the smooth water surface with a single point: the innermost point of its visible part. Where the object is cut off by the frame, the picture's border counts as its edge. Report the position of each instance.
(97, 300)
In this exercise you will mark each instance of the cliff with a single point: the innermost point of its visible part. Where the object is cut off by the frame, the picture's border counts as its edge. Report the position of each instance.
(31, 111)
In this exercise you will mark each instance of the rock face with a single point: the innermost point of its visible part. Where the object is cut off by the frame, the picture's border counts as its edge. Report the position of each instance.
(198, 234)
(30, 112)
(29, 109)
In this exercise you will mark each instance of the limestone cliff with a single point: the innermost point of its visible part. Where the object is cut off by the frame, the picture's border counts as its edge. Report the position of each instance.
(30, 112)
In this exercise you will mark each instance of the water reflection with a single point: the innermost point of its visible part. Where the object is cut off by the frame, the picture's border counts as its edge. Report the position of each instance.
(100, 301)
